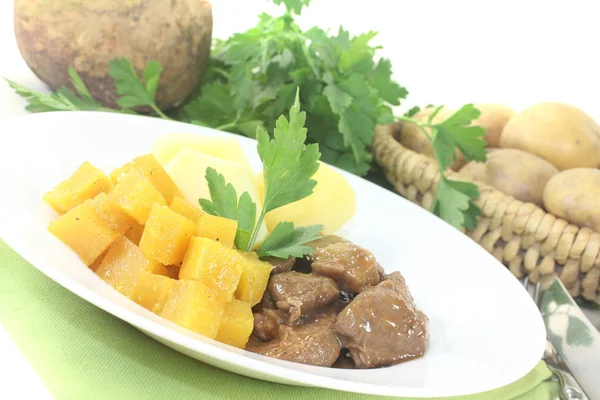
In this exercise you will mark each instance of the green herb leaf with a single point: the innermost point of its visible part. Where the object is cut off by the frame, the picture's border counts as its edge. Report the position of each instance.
(457, 131)
(61, 100)
(285, 240)
(224, 203)
(288, 164)
(453, 203)
(454, 200)
(134, 92)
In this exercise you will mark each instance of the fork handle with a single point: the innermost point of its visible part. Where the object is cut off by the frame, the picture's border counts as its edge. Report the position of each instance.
(570, 389)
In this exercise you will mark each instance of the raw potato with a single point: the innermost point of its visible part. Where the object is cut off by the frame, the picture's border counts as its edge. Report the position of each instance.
(518, 174)
(413, 138)
(575, 195)
(493, 118)
(52, 35)
(559, 133)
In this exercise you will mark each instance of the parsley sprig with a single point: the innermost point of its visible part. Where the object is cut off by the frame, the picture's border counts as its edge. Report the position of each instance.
(288, 165)
(454, 200)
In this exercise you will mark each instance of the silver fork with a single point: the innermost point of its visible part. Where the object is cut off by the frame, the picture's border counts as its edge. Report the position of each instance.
(569, 388)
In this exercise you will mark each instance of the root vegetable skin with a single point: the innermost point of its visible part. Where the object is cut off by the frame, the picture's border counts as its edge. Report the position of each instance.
(513, 172)
(493, 119)
(561, 134)
(52, 35)
(574, 195)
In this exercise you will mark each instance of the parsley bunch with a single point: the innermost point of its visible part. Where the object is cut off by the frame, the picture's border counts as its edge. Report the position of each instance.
(253, 78)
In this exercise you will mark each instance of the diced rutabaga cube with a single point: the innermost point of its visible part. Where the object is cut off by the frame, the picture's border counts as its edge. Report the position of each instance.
(151, 291)
(135, 233)
(166, 236)
(237, 325)
(193, 305)
(148, 166)
(118, 220)
(84, 231)
(218, 267)
(221, 229)
(135, 195)
(123, 263)
(184, 208)
(85, 183)
(254, 279)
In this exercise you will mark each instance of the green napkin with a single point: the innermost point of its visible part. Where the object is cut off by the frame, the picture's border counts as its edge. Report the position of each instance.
(82, 352)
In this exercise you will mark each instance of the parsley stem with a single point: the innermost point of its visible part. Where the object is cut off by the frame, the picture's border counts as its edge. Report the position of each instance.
(158, 111)
(421, 125)
(261, 217)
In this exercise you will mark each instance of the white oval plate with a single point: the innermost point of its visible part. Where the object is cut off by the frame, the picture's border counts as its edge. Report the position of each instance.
(485, 331)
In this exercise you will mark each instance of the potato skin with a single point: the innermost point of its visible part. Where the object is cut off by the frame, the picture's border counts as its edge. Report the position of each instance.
(513, 172)
(52, 35)
(575, 195)
(559, 133)
(519, 174)
(413, 138)
(493, 118)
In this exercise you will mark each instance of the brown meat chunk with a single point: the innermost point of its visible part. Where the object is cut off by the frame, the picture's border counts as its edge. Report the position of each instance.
(312, 344)
(352, 267)
(382, 325)
(266, 324)
(320, 243)
(302, 293)
(280, 264)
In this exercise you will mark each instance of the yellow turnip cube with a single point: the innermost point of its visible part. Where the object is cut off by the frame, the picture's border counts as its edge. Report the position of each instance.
(217, 228)
(135, 233)
(237, 325)
(184, 208)
(134, 194)
(148, 166)
(123, 263)
(217, 266)
(151, 291)
(84, 231)
(85, 183)
(114, 217)
(166, 236)
(254, 279)
(193, 305)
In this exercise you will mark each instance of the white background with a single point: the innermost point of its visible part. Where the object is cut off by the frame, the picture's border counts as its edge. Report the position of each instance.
(445, 52)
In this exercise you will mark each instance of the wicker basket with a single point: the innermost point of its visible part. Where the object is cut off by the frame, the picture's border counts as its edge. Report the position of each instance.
(524, 237)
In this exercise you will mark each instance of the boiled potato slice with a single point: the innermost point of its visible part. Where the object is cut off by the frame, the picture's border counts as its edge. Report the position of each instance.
(331, 204)
(168, 146)
(188, 169)
(221, 229)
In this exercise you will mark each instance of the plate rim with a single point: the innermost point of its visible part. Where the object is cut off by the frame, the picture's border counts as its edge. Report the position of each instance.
(211, 350)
